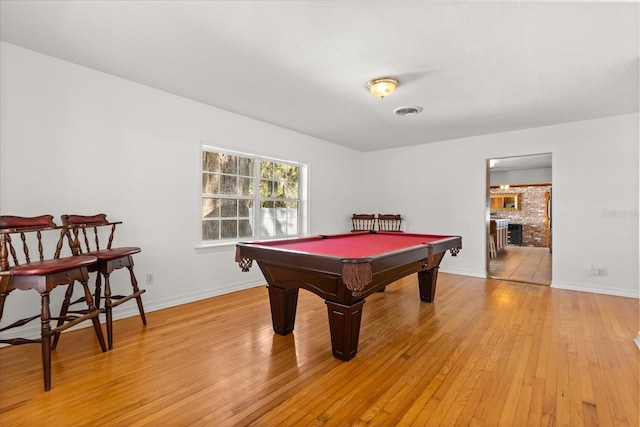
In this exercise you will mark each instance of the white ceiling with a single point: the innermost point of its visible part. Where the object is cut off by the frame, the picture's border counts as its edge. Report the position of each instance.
(475, 67)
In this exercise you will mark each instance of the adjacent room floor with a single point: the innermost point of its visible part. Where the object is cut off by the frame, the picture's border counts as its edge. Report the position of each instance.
(522, 264)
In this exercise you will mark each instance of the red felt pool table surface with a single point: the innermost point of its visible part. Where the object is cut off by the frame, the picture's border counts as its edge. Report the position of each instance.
(354, 245)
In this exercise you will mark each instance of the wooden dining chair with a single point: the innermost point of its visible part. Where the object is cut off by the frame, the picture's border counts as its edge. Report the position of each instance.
(389, 222)
(363, 222)
(23, 266)
(85, 232)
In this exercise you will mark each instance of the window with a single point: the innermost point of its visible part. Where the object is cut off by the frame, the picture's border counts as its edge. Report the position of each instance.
(246, 196)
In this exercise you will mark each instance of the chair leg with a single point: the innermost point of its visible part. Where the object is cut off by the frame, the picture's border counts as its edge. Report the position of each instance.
(45, 337)
(108, 308)
(492, 252)
(3, 297)
(91, 307)
(63, 313)
(98, 290)
(136, 291)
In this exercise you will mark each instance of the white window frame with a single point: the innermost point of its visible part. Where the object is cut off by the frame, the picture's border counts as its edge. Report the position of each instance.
(302, 213)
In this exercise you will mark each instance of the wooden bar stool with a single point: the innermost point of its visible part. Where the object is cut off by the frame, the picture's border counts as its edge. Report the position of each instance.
(85, 229)
(42, 275)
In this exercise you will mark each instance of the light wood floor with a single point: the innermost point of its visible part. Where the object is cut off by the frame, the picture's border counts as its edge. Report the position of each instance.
(522, 264)
(486, 352)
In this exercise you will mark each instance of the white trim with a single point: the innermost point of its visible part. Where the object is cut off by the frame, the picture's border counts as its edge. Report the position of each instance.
(619, 292)
(216, 247)
(131, 310)
(458, 272)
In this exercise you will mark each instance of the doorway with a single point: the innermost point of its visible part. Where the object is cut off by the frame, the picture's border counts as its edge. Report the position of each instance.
(519, 218)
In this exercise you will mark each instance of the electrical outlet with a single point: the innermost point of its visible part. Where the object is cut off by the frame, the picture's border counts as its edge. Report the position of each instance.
(149, 278)
(594, 270)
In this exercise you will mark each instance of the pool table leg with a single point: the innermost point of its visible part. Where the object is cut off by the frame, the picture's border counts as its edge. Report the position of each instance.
(427, 282)
(284, 303)
(344, 326)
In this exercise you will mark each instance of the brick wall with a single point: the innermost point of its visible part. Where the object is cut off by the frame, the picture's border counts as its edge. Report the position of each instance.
(531, 214)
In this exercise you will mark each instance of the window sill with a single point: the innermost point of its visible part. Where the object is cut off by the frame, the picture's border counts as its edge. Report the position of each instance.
(226, 246)
(215, 247)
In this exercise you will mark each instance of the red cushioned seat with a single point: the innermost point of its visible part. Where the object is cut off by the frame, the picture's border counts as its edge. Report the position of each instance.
(51, 266)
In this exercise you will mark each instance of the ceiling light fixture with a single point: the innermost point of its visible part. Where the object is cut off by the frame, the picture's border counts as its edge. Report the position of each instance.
(382, 87)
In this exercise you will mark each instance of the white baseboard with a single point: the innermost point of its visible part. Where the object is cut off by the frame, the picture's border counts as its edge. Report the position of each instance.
(619, 292)
(32, 331)
(460, 272)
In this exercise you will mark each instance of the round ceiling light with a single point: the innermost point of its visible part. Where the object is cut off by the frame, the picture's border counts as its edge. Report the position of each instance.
(382, 87)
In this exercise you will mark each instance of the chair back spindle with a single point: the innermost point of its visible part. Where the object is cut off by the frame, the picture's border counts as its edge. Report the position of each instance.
(390, 222)
(363, 222)
(25, 227)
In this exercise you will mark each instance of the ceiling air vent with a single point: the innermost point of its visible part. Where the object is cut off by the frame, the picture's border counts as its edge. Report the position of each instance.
(407, 111)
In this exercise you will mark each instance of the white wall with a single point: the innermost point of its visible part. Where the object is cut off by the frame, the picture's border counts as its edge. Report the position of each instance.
(74, 140)
(441, 188)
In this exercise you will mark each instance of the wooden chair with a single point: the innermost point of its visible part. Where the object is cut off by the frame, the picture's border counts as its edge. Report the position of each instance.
(86, 232)
(42, 275)
(363, 222)
(389, 222)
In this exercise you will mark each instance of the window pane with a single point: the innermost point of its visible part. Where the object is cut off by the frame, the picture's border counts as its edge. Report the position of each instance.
(245, 186)
(245, 166)
(229, 163)
(278, 189)
(267, 227)
(292, 190)
(266, 170)
(245, 208)
(210, 208)
(292, 173)
(281, 213)
(229, 228)
(228, 208)
(228, 185)
(210, 183)
(292, 227)
(244, 228)
(210, 162)
(210, 229)
(266, 188)
(267, 219)
(292, 209)
(280, 171)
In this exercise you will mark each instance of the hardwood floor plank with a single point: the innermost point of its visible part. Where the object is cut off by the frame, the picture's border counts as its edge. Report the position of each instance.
(486, 352)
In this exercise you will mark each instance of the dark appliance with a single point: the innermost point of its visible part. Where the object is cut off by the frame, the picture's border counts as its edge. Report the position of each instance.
(515, 234)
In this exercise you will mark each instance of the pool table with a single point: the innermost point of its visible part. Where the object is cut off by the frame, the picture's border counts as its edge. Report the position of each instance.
(343, 269)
